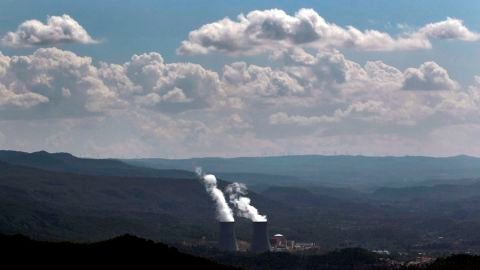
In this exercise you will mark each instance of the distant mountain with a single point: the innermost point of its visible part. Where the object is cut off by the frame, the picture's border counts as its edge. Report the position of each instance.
(64, 162)
(339, 171)
(261, 181)
(125, 251)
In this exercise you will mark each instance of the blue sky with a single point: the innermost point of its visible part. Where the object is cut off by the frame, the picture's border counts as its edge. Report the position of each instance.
(130, 26)
(336, 100)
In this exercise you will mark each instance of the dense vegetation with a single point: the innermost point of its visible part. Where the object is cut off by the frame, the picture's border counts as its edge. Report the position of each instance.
(456, 262)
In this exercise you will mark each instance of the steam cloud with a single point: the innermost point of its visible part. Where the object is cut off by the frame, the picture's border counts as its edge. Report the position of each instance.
(236, 192)
(224, 212)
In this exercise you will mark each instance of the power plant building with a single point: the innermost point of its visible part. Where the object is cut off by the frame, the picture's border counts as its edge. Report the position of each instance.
(260, 242)
(227, 240)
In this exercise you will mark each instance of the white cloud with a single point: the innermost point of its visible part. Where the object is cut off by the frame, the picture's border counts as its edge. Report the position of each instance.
(429, 76)
(329, 75)
(172, 87)
(10, 99)
(57, 83)
(344, 91)
(255, 82)
(273, 30)
(449, 29)
(282, 118)
(236, 123)
(57, 30)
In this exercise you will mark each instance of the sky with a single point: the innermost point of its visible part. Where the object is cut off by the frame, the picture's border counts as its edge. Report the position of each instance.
(178, 79)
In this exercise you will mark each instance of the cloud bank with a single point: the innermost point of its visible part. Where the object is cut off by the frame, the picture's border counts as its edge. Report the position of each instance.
(148, 106)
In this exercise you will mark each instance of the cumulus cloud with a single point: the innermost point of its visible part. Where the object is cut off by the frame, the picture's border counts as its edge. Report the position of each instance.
(305, 79)
(336, 91)
(329, 75)
(448, 29)
(53, 82)
(271, 30)
(462, 104)
(172, 87)
(56, 82)
(252, 81)
(149, 82)
(10, 99)
(344, 92)
(57, 30)
(429, 76)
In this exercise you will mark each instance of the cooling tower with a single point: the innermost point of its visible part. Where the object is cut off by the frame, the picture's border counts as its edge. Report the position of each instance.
(227, 240)
(260, 241)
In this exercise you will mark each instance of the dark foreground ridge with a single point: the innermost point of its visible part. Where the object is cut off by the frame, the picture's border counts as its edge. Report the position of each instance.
(128, 251)
(346, 259)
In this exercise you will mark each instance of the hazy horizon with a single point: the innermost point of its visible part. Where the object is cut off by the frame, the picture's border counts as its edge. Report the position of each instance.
(234, 157)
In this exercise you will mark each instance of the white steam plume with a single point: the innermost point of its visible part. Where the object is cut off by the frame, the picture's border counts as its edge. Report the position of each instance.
(242, 204)
(224, 212)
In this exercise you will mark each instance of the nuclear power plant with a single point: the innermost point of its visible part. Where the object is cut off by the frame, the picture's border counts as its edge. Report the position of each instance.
(227, 240)
(236, 191)
(260, 242)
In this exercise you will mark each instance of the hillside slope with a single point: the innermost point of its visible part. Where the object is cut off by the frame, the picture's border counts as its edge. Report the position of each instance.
(64, 162)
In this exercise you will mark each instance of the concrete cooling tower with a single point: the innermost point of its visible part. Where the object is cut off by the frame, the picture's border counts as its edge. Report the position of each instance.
(227, 240)
(260, 241)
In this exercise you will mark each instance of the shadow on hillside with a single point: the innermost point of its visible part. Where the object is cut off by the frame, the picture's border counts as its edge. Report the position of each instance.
(124, 251)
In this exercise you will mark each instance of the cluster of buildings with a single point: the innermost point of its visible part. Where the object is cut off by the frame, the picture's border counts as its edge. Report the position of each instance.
(279, 242)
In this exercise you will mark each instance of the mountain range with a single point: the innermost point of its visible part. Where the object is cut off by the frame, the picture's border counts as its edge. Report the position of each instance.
(358, 172)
